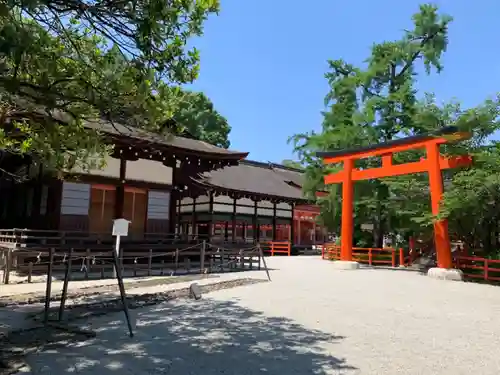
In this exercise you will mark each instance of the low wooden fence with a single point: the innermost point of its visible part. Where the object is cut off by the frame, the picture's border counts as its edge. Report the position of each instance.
(372, 256)
(277, 247)
(97, 261)
(477, 268)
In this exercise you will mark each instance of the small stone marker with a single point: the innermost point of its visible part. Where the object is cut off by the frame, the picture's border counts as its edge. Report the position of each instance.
(195, 291)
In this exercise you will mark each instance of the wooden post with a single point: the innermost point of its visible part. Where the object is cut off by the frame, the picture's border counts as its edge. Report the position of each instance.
(347, 214)
(8, 263)
(261, 253)
(393, 257)
(401, 257)
(120, 189)
(486, 269)
(150, 261)
(176, 265)
(30, 271)
(87, 264)
(222, 260)
(202, 256)
(370, 257)
(441, 238)
(48, 287)
(67, 278)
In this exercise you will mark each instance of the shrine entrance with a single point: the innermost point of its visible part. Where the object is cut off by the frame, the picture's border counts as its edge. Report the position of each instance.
(433, 164)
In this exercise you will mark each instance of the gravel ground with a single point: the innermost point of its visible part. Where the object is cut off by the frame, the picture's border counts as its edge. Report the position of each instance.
(310, 319)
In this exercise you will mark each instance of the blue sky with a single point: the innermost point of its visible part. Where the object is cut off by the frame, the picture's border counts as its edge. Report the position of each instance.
(263, 61)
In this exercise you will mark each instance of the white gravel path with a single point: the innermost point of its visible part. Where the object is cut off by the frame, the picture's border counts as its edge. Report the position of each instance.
(310, 319)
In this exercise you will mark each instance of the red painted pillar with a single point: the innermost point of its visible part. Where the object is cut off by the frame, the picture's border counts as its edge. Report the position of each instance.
(441, 238)
(347, 212)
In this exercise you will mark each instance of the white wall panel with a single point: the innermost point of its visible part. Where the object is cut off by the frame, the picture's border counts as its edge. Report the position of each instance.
(265, 212)
(223, 199)
(148, 171)
(283, 213)
(75, 199)
(158, 205)
(285, 206)
(223, 207)
(203, 199)
(265, 204)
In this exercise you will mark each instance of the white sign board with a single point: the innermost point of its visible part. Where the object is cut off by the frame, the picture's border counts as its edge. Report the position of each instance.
(120, 227)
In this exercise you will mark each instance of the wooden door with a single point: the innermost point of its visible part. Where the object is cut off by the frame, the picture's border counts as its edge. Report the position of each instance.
(102, 207)
(135, 209)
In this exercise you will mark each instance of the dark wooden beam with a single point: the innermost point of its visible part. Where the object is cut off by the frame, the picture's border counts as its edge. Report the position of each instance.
(274, 221)
(254, 222)
(120, 190)
(211, 215)
(233, 221)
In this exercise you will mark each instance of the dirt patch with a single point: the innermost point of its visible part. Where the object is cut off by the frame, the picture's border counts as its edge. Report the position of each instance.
(39, 297)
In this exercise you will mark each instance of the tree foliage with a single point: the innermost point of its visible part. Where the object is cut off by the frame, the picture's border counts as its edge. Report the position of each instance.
(378, 103)
(64, 62)
(196, 116)
(292, 164)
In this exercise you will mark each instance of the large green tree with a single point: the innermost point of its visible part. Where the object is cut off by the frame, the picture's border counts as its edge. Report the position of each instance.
(65, 62)
(196, 116)
(378, 103)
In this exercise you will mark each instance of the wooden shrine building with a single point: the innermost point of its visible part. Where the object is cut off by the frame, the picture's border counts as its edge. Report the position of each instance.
(165, 187)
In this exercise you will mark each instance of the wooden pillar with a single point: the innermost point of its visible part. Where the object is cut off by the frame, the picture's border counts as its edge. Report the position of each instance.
(292, 225)
(314, 231)
(254, 222)
(347, 214)
(193, 219)
(233, 221)
(441, 238)
(174, 214)
(37, 198)
(211, 214)
(274, 221)
(120, 189)
(299, 239)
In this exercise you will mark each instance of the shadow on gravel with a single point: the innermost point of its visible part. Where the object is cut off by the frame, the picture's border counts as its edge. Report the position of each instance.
(203, 337)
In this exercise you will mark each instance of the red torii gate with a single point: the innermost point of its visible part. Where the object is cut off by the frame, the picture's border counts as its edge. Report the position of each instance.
(433, 164)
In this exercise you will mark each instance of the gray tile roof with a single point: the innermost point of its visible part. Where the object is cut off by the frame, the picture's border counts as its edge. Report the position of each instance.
(170, 141)
(257, 178)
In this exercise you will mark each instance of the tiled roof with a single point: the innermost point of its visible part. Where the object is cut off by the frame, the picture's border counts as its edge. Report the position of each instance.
(263, 179)
(170, 141)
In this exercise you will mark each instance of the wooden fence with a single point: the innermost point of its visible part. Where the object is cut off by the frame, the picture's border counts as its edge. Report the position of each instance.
(474, 268)
(477, 268)
(372, 256)
(277, 247)
(29, 253)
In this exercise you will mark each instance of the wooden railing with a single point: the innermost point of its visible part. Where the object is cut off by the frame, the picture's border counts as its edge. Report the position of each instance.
(30, 251)
(478, 268)
(371, 256)
(277, 247)
(36, 237)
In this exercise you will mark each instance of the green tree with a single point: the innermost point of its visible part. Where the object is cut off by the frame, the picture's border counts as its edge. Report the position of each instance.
(196, 116)
(64, 63)
(292, 164)
(379, 103)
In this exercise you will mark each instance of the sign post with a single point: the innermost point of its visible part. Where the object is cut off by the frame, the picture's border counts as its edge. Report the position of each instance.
(120, 228)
